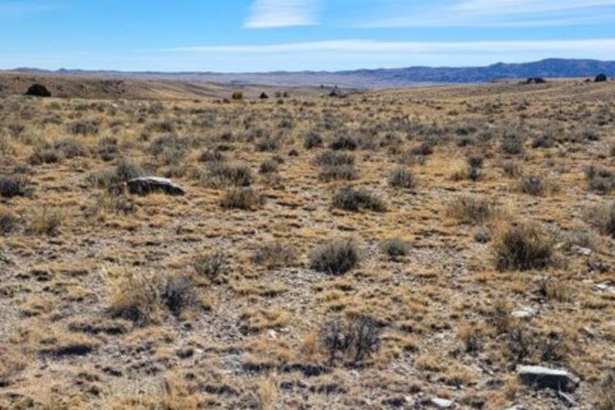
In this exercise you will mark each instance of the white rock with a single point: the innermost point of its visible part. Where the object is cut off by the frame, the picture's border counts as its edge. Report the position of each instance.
(545, 378)
(442, 403)
(524, 313)
(148, 185)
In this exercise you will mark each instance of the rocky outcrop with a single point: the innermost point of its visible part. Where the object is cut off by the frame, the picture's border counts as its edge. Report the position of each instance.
(38, 90)
(545, 378)
(150, 185)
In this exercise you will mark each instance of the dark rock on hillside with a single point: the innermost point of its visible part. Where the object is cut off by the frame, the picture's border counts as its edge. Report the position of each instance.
(601, 78)
(38, 90)
(535, 80)
(545, 378)
(149, 185)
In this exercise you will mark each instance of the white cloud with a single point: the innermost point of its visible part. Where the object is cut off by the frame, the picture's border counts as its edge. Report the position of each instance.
(282, 13)
(15, 8)
(387, 47)
(500, 13)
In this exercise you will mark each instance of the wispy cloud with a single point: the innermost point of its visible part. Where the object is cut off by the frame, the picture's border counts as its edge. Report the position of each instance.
(16, 8)
(282, 13)
(350, 54)
(499, 13)
(387, 47)
(321, 55)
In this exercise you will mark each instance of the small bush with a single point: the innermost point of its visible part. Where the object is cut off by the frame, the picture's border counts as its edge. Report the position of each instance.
(402, 178)
(127, 170)
(355, 341)
(108, 148)
(220, 174)
(473, 209)
(242, 198)
(603, 218)
(537, 185)
(338, 173)
(600, 179)
(275, 255)
(423, 150)
(8, 222)
(475, 161)
(178, 294)
(83, 128)
(524, 247)
(136, 297)
(142, 298)
(268, 144)
(269, 166)
(211, 266)
(312, 140)
(212, 156)
(606, 391)
(237, 96)
(513, 143)
(335, 258)
(45, 221)
(71, 148)
(395, 248)
(334, 159)
(46, 155)
(13, 186)
(353, 200)
(344, 142)
(483, 235)
(512, 169)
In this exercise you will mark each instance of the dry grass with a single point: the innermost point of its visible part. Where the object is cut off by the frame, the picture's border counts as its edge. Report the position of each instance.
(247, 292)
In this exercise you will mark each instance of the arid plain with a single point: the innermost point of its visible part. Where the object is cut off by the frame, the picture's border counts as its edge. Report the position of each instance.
(372, 250)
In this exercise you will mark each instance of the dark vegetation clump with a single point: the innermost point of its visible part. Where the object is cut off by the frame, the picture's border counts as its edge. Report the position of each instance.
(333, 159)
(338, 173)
(8, 222)
(395, 248)
(246, 199)
(353, 342)
(402, 178)
(83, 128)
(601, 180)
(275, 255)
(344, 142)
(124, 171)
(354, 200)
(535, 80)
(312, 140)
(524, 247)
(13, 186)
(38, 90)
(603, 218)
(211, 266)
(221, 174)
(336, 257)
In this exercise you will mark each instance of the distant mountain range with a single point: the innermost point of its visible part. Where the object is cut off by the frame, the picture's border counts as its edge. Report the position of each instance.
(378, 78)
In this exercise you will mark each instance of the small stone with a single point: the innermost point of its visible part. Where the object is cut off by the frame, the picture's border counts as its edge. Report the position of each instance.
(524, 313)
(545, 378)
(582, 251)
(442, 403)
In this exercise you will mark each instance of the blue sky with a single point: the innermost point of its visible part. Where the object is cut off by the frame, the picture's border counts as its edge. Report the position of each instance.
(266, 35)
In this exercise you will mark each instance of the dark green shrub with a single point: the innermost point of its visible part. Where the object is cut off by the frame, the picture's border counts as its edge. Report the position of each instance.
(336, 257)
(354, 200)
(524, 247)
